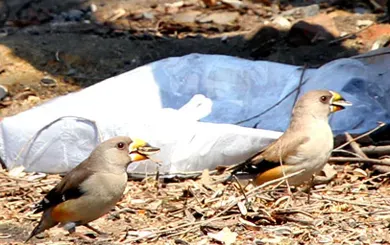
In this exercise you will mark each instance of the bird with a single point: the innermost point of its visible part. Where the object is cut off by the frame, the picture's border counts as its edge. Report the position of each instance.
(305, 146)
(93, 187)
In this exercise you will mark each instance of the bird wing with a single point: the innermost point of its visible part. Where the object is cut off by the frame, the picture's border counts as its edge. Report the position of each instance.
(68, 188)
(270, 157)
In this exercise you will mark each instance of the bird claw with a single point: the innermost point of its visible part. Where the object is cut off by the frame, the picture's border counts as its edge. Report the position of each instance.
(80, 235)
(100, 233)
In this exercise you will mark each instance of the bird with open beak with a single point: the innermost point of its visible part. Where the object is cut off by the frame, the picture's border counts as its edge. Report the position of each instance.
(305, 145)
(91, 189)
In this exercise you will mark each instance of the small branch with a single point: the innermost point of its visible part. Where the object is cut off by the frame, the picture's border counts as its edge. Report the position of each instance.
(380, 150)
(340, 39)
(273, 106)
(178, 228)
(355, 146)
(300, 84)
(363, 204)
(381, 124)
(385, 162)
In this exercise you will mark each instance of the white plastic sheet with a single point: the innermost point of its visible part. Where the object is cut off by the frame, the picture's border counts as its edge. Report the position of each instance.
(187, 106)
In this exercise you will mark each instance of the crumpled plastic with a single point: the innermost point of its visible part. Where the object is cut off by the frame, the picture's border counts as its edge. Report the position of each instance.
(188, 106)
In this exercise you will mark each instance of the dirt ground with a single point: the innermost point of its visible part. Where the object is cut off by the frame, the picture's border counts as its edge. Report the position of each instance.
(50, 48)
(75, 45)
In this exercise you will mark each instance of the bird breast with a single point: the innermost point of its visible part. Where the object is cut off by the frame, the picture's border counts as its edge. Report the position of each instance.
(314, 153)
(102, 192)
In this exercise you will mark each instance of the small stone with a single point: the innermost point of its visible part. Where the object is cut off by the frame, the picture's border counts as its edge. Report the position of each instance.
(360, 10)
(148, 15)
(93, 8)
(282, 22)
(375, 36)
(224, 18)
(3, 92)
(48, 82)
(312, 29)
(234, 3)
(308, 11)
(362, 23)
(186, 17)
(73, 15)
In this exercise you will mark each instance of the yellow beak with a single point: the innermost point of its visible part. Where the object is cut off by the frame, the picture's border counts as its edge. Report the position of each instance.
(140, 150)
(338, 103)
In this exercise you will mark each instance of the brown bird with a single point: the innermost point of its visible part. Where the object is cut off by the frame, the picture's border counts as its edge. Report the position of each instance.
(305, 145)
(92, 188)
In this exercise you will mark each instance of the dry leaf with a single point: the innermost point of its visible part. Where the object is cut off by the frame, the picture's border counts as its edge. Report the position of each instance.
(225, 236)
(154, 205)
(189, 215)
(241, 206)
(359, 172)
(249, 225)
(17, 171)
(205, 178)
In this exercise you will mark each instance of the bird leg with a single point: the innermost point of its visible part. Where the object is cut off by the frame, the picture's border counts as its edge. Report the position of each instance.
(72, 232)
(95, 230)
(309, 187)
(71, 228)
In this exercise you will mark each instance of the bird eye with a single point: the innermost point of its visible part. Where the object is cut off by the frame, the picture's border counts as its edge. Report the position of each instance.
(120, 145)
(323, 99)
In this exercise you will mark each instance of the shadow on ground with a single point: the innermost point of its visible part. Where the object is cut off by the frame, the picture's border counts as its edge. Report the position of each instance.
(78, 54)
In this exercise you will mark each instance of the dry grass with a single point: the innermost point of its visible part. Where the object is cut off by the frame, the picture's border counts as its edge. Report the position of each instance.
(353, 209)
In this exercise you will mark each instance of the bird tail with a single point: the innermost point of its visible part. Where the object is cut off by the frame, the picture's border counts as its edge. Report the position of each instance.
(45, 223)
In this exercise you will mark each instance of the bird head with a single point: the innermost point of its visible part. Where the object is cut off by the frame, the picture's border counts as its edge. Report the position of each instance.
(320, 103)
(337, 102)
(121, 151)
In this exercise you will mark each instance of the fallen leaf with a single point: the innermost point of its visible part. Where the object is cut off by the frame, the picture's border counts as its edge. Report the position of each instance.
(17, 171)
(249, 225)
(225, 236)
(359, 172)
(205, 178)
(241, 206)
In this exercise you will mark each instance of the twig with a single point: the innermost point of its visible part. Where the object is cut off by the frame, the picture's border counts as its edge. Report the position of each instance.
(300, 84)
(282, 179)
(240, 187)
(194, 224)
(273, 106)
(380, 150)
(355, 146)
(322, 197)
(381, 124)
(385, 162)
(347, 152)
(294, 211)
(36, 135)
(337, 40)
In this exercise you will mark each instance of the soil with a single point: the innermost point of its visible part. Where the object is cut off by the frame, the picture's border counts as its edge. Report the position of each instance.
(112, 37)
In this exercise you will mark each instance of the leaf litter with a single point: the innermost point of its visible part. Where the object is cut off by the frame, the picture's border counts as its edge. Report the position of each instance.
(352, 209)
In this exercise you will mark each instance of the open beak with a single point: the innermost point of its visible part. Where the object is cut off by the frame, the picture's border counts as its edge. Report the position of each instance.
(338, 103)
(140, 150)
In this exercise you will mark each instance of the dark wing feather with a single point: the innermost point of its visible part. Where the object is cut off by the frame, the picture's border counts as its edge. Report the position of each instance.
(68, 188)
(269, 157)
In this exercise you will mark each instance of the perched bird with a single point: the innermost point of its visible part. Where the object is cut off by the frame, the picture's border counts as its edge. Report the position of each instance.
(93, 187)
(306, 144)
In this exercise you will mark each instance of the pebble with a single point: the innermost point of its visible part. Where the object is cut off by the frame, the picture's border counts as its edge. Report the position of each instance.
(282, 22)
(93, 8)
(148, 15)
(307, 11)
(3, 92)
(48, 82)
(73, 15)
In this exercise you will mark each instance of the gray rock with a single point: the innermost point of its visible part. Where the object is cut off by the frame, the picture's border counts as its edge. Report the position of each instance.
(3, 92)
(48, 82)
(73, 15)
(303, 12)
